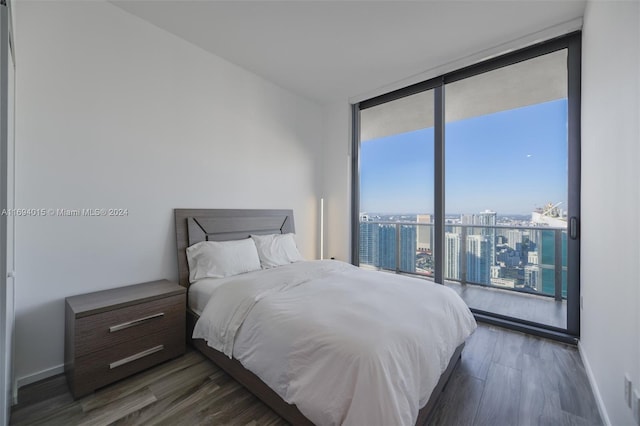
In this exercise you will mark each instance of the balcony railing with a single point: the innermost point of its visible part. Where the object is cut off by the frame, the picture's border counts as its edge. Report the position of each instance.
(518, 258)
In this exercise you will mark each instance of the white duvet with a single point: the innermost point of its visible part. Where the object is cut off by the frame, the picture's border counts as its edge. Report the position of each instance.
(345, 345)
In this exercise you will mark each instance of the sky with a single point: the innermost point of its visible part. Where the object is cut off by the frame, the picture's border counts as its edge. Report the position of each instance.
(510, 162)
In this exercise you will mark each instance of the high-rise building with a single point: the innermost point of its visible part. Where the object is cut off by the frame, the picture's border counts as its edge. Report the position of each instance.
(478, 259)
(452, 255)
(386, 247)
(424, 233)
(532, 277)
(526, 237)
(508, 258)
(546, 256)
(514, 238)
(378, 245)
(466, 219)
(407, 248)
(368, 241)
(488, 218)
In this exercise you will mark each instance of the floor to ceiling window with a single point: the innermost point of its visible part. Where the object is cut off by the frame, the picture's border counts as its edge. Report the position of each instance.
(396, 179)
(472, 179)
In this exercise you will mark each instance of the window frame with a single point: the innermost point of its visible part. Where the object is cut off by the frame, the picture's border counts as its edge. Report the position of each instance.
(571, 42)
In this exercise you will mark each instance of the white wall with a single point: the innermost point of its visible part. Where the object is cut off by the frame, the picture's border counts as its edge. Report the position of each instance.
(610, 250)
(7, 179)
(337, 181)
(113, 112)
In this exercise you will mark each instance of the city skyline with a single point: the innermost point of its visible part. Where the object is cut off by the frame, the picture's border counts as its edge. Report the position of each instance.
(513, 257)
(484, 169)
(450, 217)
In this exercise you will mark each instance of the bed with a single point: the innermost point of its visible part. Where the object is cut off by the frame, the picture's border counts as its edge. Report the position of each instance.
(196, 225)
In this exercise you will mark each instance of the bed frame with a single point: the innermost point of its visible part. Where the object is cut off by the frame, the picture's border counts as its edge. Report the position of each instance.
(195, 225)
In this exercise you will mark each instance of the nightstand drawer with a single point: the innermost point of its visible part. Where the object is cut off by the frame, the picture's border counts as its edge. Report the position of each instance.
(108, 329)
(111, 334)
(100, 368)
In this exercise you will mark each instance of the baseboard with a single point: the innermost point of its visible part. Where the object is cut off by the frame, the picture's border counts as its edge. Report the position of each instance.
(35, 377)
(594, 386)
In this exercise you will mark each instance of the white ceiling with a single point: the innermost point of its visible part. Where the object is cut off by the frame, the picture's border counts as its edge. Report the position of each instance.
(333, 50)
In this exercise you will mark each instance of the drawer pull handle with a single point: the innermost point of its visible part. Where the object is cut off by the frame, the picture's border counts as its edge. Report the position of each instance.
(134, 322)
(137, 356)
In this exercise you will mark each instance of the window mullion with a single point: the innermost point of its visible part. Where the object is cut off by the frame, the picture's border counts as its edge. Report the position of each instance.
(438, 182)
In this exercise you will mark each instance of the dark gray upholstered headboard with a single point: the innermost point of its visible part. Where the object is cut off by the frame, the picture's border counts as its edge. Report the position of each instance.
(195, 225)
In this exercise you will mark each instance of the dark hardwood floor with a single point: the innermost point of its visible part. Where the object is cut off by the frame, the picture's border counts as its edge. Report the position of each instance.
(504, 378)
(509, 378)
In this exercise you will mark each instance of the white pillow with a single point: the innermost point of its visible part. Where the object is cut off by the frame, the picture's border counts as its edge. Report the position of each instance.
(276, 249)
(219, 259)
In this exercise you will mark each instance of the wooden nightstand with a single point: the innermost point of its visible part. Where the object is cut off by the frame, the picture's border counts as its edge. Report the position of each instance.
(114, 333)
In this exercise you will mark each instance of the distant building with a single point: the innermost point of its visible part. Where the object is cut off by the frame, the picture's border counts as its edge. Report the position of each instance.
(532, 277)
(488, 218)
(549, 215)
(408, 248)
(368, 241)
(424, 233)
(529, 237)
(509, 258)
(466, 219)
(452, 255)
(478, 259)
(387, 247)
(514, 237)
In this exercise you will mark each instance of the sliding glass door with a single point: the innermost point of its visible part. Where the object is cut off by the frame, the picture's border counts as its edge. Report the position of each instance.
(506, 190)
(472, 179)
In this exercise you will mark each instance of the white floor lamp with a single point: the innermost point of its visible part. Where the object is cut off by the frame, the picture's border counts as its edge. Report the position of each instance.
(321, 228)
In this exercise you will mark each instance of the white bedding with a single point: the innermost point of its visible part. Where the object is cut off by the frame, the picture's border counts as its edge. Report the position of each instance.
(200, 292)
(345, 345)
